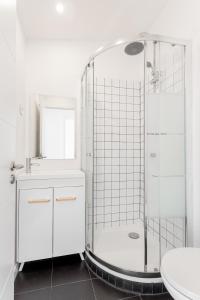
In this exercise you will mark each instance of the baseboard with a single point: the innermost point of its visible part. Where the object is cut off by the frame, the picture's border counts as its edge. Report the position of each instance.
(7, 292)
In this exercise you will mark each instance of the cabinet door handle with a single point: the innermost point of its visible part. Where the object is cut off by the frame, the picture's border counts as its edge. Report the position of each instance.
(38, 201)
(66, 198)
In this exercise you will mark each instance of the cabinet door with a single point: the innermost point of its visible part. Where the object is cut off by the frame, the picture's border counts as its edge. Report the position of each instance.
(35, 224)
(69, 221)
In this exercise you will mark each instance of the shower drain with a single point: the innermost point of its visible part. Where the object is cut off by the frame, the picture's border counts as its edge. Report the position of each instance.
(133, 235)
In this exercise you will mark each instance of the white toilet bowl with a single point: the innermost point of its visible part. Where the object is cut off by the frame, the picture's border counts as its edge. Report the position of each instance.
(180, 272)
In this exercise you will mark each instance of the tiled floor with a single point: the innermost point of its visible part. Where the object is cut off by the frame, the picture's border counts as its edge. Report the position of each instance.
(66, 278)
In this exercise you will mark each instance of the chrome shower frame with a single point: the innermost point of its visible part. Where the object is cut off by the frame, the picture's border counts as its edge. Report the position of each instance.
(145, 37)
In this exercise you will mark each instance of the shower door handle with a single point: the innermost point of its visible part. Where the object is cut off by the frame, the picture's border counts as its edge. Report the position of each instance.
(153, 155)
(89, 154)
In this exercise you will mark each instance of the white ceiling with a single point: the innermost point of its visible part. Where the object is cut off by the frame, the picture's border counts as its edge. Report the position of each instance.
(88, 20)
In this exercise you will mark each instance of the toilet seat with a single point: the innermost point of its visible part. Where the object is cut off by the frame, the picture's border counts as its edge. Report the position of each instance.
(181, 270)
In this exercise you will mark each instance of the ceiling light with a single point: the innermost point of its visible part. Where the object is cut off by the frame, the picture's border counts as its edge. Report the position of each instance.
(60, 8)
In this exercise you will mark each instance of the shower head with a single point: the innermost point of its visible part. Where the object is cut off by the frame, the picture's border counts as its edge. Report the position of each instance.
(134, 48)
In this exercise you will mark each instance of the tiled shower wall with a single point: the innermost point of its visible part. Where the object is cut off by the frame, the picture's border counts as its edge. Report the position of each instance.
(170, 231)
(118, 161)
(118, 153)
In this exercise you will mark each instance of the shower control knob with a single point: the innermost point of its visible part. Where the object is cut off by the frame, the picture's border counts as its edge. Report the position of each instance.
(89, 154)
(153, 155)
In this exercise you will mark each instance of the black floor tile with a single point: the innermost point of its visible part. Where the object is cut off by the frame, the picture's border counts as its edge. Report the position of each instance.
(43, 294)
(67, 278)
(92, 275)
(157, 297)
(74, 291)
(105, 292)
(132, 298)
(69, 269)
(35, 275)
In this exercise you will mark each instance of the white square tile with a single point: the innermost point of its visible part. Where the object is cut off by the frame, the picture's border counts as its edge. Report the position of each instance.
(115, 217)
(116, 179)
(123, 200)
(107, 209)
(107, 194)
(107, 161)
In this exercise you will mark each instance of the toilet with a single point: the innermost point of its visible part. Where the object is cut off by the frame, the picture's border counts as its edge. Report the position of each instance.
(180, 270)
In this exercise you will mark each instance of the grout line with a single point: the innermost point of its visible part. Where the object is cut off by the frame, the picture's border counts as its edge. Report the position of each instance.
(91, 279)
(91, 274)
(32, 291)
(72, 282)
(53, 286)
(93, 289)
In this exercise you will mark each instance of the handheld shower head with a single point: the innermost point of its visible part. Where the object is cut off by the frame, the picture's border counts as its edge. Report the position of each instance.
(155, 74)
(149, 65)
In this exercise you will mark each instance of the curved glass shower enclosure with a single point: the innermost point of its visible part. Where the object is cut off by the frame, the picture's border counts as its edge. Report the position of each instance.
(133, 108)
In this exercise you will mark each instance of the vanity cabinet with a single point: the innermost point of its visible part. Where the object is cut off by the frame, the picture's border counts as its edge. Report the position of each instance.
(68, 221)
(35, 224)
(50, 216)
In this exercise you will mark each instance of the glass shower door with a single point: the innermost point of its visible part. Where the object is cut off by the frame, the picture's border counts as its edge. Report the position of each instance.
(87, 138)
(165, 153)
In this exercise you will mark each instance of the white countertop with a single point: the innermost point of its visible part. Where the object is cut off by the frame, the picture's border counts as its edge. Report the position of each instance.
(47, 174)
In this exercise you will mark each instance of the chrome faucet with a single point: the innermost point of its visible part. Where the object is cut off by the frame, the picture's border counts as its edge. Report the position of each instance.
(29, 164)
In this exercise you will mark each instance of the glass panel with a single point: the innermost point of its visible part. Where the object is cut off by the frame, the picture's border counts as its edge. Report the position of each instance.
(119, 157)
(165, 150)
(135, 154)
(87, 148)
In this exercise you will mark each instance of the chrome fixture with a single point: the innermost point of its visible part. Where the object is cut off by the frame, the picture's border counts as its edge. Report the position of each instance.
(40, 157)
(133, 235)
(14, 166)
(12, 179)
(134, 48)
(29, 164)
(155, 74)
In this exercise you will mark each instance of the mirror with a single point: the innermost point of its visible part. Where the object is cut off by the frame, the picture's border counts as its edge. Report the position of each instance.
(53, 121)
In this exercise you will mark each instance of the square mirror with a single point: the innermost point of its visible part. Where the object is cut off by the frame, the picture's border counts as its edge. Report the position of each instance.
(58, 133)
(53, 127)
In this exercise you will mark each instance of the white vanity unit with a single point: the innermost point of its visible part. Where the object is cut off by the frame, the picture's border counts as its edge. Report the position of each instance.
(50, 215)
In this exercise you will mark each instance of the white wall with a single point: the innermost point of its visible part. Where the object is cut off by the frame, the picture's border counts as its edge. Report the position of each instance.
(180, 19)
(8, 146)
(20, 94)
(54, 68)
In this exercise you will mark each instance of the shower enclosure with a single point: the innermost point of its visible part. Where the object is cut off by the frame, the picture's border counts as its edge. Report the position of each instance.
(133, 139)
